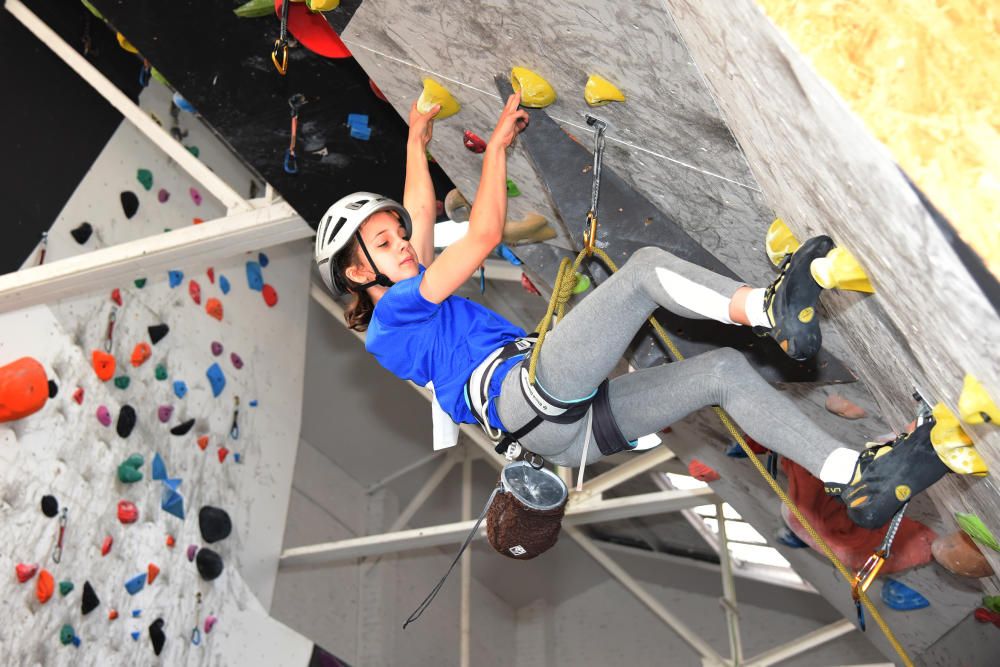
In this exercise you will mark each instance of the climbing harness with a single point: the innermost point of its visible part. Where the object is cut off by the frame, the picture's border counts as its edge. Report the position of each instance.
(57, 552)
(111, 329)
(196, 632)
(295, 102)
(867, 574)
(234, 429)
(281, 44)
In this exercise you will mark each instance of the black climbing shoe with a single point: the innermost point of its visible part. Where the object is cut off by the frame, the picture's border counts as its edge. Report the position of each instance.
(790, 302)
(886, 476)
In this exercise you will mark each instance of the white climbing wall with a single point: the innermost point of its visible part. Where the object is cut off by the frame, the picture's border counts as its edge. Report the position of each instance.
(64, 451)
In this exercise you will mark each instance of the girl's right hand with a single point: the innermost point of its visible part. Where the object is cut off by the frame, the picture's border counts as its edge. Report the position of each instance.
(512, 122)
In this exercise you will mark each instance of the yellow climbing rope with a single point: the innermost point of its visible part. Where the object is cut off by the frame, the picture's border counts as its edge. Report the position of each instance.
(561, 293)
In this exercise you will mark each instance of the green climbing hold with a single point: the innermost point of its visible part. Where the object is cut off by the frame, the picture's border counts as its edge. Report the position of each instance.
(977, 530)
(140, 282)
(66, 634)
(122, 381)
(65, 587)
(145, 176)
(92, 9)
(193, 150)
(159, 76)
(161, 372)
(512, 189)
(582, 284)
(992, 602)
(255, 9)
(128, 471)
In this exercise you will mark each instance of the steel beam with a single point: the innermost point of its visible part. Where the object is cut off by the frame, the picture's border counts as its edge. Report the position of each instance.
(802, 644)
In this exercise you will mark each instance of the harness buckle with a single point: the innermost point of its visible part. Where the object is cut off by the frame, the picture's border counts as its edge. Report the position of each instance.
(513, 451)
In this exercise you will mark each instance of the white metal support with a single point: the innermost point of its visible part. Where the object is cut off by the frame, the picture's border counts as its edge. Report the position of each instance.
(465, 623)
(626, 471)
(802, 644)
(729, 591)
(188, 246)
(425, 491)
(404, 471)
(221, 190)
(709, 655)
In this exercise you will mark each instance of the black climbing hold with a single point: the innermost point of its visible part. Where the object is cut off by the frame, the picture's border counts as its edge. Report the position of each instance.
(90, 599)
(50, 506)
(82, 233)
(214, 523)
(182, 429)
(130, 203)
(157, 636)
(126, 421)
(53, 389)
(157, 332)
(209, 564)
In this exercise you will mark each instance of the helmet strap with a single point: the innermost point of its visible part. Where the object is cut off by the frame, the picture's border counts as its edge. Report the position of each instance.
(381, 279)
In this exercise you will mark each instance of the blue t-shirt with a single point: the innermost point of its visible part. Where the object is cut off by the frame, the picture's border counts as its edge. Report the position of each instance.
(422, 341)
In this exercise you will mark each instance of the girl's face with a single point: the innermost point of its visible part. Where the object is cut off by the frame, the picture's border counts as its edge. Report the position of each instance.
(386, 240)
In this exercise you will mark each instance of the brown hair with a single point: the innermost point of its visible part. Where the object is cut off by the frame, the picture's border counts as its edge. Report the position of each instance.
(359, 313)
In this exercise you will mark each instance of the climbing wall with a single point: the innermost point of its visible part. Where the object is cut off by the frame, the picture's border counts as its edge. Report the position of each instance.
(234, 329)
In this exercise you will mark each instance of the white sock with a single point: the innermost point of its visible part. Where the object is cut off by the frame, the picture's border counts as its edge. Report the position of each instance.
(755, 309)
(839, 466)
(695, 297)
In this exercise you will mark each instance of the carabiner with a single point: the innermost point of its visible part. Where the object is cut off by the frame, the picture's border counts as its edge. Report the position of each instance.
(57, 552)
(111, 328)
(291, 164)
(866, 575)
(282, 46)
(196, 632)
(590, 231)
(234, 430)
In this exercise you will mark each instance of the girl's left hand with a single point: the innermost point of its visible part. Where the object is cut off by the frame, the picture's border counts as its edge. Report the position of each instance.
(422, 124)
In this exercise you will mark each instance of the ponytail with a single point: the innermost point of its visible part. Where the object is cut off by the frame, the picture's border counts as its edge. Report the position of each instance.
(359, 314)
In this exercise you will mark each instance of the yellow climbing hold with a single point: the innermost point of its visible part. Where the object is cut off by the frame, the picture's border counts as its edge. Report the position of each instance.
(600, 91)
(975, 405)
(840, 270)
(535, 91)
(806, 315)
(780, 241)
(435, 93)
(322, 5)
(125, 44)
(953, 446)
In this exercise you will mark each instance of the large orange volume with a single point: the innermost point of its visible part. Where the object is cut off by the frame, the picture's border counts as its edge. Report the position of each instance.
(24, 388)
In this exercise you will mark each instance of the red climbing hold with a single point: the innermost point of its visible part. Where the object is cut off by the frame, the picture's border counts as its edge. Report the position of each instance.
(473, 142)
(270, 296)
(313, 31)
(529, 286)
(45, 586)
(171, 541)
(151, 572)
(214, 308)
(196, 221)
(702, 472)
(127, 511)
(755, 446)
(141, 354)
(24, 389)
(25, 571)
(104, 365)
(78, 395)
(112, 614)
(106, 545)
(116, 296)
(203, 442)
(211, 275)
(194, 289)
(984, 615)
(222, 454)
(377, 91)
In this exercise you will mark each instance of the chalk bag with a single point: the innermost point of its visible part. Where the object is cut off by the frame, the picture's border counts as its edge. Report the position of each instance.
(525, 517)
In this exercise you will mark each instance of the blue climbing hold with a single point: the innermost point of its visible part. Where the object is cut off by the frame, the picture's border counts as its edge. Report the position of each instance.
(136, 613)
(734, 451)
(263, 260)
(254, 277)
(897, 595)
(508, 254)
(159, 467)
(362, 133)
(135, 635)
(216, 378)
(789, 539)
(76, 641)
(253, 403)
(357, 120)
(180, 389)
(135, 584)
(176, 277)
(172, 502)
(237, 457)
(183, 104)
(172, 483)
(224, 284)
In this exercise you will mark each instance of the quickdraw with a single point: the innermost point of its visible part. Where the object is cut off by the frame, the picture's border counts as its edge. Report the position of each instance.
(144, 73)
(295, 102)
(281, 44)
(234, 430)
(590, 230)
(111, 330)
(867, 574)
(57, 552)
(196, 632)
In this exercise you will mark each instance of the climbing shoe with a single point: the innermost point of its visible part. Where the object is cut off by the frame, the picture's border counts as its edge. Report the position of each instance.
(790, 302)
(887, 476)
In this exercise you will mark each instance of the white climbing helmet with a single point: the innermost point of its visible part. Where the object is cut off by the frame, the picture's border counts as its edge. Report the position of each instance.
(342, 221)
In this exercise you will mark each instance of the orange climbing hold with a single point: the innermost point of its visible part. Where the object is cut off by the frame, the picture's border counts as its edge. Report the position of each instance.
(171, 541)
(113, 614)
(24, 388)
(151, 573)
(197, 221)
(214, 308)
(141, 354)
(958, 554)
(45, 586)
(104, 365)
(203, 442)
(702, 472)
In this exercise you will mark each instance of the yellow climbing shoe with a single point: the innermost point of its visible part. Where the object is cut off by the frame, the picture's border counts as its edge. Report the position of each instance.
(125, 44)
(841, 270)
(600, 91)
(974, 404)
(953, 446)
(536, 92)
(435, 93)
(780, 241)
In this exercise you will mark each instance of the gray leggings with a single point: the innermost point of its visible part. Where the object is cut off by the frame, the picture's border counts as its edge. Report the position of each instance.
(583, 349)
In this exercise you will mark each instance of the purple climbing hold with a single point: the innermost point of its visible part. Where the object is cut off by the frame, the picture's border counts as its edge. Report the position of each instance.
(237, 360)
(191, 551)
(263, 259)
(216, 348)
(104, 416)
(254, 277)
(130, 203)
(176, 278)
(162, 196)
(216, 379)
(136, 583)
(224, 284)
(164, 412)
(180, 388)
(195, 196)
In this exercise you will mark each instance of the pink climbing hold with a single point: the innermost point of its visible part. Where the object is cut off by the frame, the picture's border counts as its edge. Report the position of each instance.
(164, 412)
(116, 296)
(195, 196)
(216, 348)
(106, 545)
(127, 511)
(162, 196)
(25, 571)
(78, 395)
(237, 360)
(839, 405)
(214, 308)
(210, 622)
(194, 289)
(191, 551)
(104, 416)
(270, 296)
(211, 275)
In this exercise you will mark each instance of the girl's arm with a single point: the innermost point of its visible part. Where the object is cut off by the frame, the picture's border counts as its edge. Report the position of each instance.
(418, 190)
(489, 212)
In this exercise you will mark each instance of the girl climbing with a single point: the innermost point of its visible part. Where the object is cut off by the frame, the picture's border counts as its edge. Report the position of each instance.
(383, 253)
